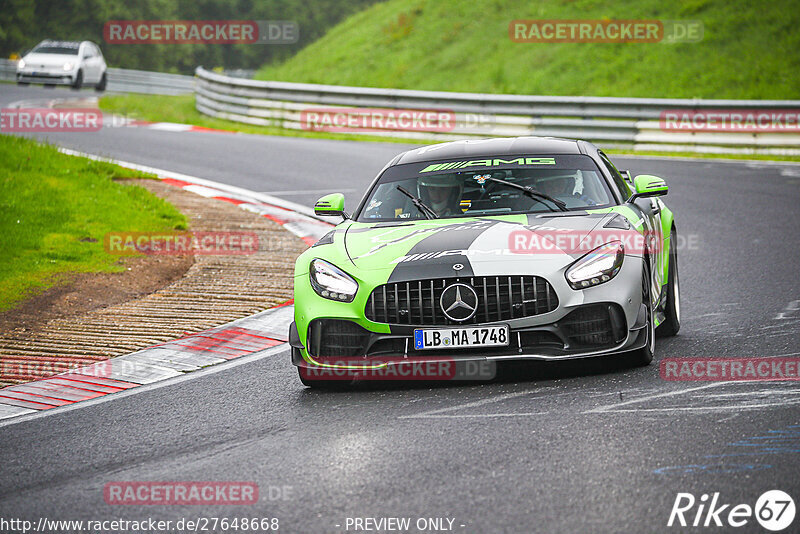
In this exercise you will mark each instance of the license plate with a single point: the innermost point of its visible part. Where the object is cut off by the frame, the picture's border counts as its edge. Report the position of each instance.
(458, 338)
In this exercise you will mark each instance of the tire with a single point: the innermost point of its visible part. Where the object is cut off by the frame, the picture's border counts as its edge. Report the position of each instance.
(643, 356)
(672, 307)
(101, 85)
(78, 83)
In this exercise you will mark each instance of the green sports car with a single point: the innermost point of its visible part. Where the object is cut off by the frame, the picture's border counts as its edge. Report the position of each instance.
(489, 250)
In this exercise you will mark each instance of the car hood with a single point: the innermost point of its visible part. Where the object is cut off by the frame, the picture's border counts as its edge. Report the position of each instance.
(469, 247)
(49, 60)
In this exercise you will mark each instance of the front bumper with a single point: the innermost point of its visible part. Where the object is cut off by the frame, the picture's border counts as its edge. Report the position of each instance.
(592, 330)
(46, 77)
(597, 321)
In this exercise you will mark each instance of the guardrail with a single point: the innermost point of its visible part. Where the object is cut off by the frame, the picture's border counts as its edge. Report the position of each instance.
(634, 123)
(127, 80)
(140, 81)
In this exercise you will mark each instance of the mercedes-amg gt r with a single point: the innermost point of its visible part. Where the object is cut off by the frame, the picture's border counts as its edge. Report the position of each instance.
(489, 250)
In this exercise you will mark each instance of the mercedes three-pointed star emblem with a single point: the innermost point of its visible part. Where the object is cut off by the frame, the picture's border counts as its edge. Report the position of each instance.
(459, 302)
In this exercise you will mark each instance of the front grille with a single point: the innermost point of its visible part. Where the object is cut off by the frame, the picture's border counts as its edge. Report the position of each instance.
(499, 298)
(336, 338)
(594, 325)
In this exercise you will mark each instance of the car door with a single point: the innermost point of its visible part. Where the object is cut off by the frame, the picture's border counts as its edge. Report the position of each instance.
(101, 62)
(89, 60)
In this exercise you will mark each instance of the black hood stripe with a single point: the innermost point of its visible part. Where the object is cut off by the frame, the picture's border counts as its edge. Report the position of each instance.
(453, 237)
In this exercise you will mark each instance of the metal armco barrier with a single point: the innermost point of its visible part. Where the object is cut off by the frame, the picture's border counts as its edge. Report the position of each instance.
(633, 123)
(127, 81)
(157, 83)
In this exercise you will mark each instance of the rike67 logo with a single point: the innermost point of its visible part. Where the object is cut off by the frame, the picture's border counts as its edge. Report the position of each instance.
(774, 510)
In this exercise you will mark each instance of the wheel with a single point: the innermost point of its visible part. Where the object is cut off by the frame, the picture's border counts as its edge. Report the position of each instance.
(78, 83)
(672, 307)
(644, 356)
(101, 85)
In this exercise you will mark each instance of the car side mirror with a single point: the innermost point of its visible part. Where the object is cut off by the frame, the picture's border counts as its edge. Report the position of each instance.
(331, 206)
(647, 185)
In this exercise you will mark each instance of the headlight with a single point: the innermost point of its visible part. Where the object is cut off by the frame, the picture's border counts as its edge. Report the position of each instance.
(21, 64)
(68, 66)
(599, 266)
(331, 282)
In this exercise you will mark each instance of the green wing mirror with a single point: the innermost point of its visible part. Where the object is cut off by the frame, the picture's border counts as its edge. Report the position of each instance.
(330, 205)
(647, 185)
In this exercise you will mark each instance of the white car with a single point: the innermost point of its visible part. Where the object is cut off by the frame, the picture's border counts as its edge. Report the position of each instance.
(63, 63)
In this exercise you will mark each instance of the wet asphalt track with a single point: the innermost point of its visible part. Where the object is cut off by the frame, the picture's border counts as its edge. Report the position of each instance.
(568, 447)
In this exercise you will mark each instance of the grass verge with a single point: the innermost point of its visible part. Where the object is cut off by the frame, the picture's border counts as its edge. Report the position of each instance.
(55, 211)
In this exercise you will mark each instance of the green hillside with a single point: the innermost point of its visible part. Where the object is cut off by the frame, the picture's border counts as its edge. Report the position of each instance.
(750, 50)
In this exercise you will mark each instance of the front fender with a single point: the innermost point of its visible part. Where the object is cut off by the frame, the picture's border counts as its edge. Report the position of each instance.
(667, 223)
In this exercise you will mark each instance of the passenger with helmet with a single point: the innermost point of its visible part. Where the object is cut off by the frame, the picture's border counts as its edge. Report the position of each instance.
(564, 187)
(442, 193)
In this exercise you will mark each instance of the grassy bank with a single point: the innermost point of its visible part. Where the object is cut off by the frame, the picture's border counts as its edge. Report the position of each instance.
(750, 50)
(56, 209)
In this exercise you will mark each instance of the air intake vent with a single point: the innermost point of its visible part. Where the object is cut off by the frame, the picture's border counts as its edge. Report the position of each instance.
(336, 338)
(595, 325)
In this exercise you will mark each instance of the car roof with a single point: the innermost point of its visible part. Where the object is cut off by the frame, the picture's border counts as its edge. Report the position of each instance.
(503, 146)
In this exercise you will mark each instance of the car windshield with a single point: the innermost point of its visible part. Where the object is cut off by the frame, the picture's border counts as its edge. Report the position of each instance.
(64, 49)
(486, 187)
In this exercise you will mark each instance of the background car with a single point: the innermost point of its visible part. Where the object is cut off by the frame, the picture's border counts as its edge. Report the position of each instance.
(438, 261)
(64, 63)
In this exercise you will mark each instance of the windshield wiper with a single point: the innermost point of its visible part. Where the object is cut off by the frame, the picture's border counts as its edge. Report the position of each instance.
(533, 193)
(420, 205)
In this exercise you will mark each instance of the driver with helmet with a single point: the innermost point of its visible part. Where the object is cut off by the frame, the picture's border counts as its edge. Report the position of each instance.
(442, 193)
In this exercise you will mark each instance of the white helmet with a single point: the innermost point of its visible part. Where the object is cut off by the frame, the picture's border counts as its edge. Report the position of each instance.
(451, 181)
